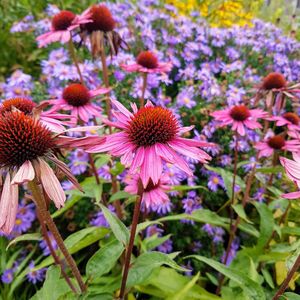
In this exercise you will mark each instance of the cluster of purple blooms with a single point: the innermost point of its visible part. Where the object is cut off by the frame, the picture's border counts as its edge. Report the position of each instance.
(200, 72)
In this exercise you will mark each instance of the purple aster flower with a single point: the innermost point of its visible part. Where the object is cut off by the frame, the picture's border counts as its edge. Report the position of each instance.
(208, 229)
(232, 252)
(260, 195)
(99, 219)
(44, 246)
(196, 246)
(214, 182)
(7, 276)
(78, 161)
(35, 276)
(225, 160)
(218, 235)
(166, 247)
(154, 229)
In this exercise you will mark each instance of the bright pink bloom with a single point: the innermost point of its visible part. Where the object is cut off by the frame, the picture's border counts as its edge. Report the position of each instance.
(49, 118)
(292, 169)
(289, 119)
(275, 143)
(25, 146)
(148, 137)
(62, 25)
(147, 62)
(239, 117)
(77, 99)
(154, 195)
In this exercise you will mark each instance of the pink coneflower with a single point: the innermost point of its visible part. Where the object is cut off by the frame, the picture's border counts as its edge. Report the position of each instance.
(148, 137)
(154, 195)
(77, 98)
(289, 119)
(61, 27)
(147, 62)
(273, 81)
(101, 31)
(25, 147)
(239, 117)
(276, 143)
(292, 169)
(49, 118)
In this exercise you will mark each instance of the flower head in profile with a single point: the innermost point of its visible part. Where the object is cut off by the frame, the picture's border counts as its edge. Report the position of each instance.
(273, 81)
(49, 118)
(101, 31)
(276, 143)
(148, 137)
(62, 26)
(26, 146)
(155, 196)
(240, 117)
(77, 98)
(292, 169)
(147, 62)
(289, 119)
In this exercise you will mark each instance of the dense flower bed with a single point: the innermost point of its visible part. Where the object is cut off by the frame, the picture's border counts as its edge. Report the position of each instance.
(206, 154)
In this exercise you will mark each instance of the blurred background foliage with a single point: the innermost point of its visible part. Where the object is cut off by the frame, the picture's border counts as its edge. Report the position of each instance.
(20, 49)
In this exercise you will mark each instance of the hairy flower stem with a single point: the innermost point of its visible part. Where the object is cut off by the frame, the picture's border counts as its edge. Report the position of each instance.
(289, 277)
(233, 229)
(135, 219)
(75, 60)
(114, 184)
(54, 255)
(143, 90)
(46, 217)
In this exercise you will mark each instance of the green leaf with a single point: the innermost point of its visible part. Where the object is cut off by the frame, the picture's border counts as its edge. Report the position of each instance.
(118, 228)
(188, 187)
(70, 203)
(291, 296)
(165, 282)
(267, 223)
(154, 241)
(24, 237)
(101, 160)
(146, 263)
(251, 288)
(183, 293)
(207, 216)
(120, 195)
(78, 241)
(270, 170)
(118, 169)
(104, 259)
(268, 278)
(53, 287)
(239, 209)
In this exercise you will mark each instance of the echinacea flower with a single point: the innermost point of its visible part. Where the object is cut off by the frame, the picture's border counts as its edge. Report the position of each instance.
(154, 196)
(289, 119)
(276, 143)
(147, 62)
(148, 137)
(273, 81)
(239, 117)
(292, 169)
(101, 31)
(77, 98)
(62, 25)
(49, 118)
(25, 146)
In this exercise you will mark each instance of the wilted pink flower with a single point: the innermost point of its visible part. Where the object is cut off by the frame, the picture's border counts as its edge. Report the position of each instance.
(147, 62)
(49, 118)
(77, 99)
(289, 119)
(239, 117)
(276, 143)
(148, 137)
(62, 25)
(292, 169)
(154, 195)
(25, 145)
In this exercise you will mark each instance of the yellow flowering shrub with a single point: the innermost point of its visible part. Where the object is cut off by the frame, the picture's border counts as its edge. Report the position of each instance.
(220, 13)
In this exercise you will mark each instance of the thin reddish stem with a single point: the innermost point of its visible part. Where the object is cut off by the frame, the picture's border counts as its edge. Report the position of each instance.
(45, 215)
(289, 277)
(142, 102)
(135, 219)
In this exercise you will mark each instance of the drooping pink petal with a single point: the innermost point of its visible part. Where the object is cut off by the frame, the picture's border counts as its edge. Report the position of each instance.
(24, 174)
(51, 184)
